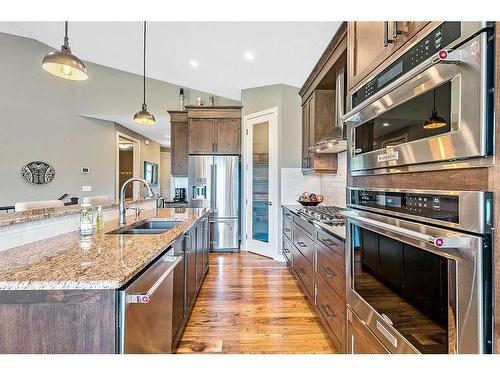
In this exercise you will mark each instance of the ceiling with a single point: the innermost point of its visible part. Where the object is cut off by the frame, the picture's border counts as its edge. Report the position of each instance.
(230, 56)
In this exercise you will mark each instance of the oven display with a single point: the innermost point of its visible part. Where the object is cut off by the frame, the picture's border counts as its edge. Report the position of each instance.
(437, 207)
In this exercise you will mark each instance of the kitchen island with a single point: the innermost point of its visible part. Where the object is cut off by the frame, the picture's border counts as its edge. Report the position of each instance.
(60, 295)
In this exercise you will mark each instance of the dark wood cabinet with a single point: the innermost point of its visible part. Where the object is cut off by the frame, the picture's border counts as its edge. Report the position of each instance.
(371, 43)
(201, 136)
(227, 136)
(179, 143)
(190, 268)
(359, 338)
(214, 130)
(318, 117)
(316, 259)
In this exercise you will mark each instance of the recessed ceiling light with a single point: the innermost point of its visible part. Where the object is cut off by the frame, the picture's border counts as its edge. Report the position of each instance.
(249, 56)
(386, 124)
(194, 63)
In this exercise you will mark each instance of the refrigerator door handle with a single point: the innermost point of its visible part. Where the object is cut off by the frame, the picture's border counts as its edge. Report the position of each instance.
(214, 188)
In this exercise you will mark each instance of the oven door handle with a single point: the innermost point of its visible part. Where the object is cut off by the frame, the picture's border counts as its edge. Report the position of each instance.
(443, 56)
(439, 242)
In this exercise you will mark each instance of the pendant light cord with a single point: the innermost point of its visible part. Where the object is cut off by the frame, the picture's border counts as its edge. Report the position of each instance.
(144, 66)
(65, 46)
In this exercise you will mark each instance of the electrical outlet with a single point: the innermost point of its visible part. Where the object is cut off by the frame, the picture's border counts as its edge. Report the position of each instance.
(86, 188)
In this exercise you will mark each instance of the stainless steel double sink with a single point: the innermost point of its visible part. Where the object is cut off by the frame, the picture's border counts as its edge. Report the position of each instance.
(148, 226)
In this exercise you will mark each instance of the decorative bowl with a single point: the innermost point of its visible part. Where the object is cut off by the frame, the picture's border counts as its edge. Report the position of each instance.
(306, 203)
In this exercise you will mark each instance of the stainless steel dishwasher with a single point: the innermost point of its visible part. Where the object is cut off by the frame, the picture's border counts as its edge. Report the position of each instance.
(144, 317)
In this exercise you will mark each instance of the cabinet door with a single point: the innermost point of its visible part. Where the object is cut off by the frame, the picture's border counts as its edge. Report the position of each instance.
(367, 48)
(201, 136)
(306, 161)
(206, 244)
(179, 292)
(190, 268)
(227, 136)
(179, 141)
(199, 256)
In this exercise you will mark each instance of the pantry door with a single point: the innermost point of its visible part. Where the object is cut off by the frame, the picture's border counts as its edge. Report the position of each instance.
(261, 187)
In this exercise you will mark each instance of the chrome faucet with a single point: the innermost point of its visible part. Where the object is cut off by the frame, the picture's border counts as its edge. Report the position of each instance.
(123, 207)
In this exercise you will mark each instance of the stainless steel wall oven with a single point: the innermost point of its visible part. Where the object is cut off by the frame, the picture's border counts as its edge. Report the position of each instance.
(419, 268)
(430, 109)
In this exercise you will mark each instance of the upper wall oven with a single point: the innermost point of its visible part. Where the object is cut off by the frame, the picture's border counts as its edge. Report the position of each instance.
(430, 109)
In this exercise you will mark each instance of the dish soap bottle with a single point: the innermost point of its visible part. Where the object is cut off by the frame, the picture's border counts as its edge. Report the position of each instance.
(99, 221)
(86, 220)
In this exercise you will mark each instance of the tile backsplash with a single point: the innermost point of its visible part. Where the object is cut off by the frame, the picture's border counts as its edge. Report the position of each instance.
(332, 187)
(31, 231)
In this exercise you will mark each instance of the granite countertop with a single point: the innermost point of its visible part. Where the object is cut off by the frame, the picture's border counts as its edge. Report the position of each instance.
(100, 261)
(47, 213)
(339, 231)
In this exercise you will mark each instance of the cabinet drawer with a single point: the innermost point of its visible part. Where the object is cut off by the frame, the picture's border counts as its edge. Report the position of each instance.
(332, 309)
(287, 251)
(287, 214)
(305, 225)
(335, 245)
(359, 338)
(304, 244)
(304, 272)
(332, 271)
(287, 228)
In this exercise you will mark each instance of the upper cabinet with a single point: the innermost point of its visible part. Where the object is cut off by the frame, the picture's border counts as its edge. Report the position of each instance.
(372, 43)
(179, 143)
(214, 130)
(321, 106)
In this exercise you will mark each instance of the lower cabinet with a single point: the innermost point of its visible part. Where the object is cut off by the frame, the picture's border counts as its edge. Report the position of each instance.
(316, 259)
(359, 338)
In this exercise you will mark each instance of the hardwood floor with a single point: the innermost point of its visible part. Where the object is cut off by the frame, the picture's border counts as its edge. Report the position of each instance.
(251, 304)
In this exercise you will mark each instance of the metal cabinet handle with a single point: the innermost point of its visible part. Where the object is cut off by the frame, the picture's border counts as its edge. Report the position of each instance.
(328, 272)
(329, 313)
(301, 244)
(386, 34)
(395, 31)
(287, 230)
(328, 241)
(286, 251)
(301, 272)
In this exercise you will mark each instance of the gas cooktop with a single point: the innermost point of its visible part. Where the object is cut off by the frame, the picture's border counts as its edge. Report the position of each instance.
(330, 215)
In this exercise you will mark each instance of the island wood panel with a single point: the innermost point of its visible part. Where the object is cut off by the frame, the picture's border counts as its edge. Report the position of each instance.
(251, 304)
(494, 186)
(57, 321)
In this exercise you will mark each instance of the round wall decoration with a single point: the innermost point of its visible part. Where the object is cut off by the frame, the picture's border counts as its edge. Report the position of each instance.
(38, 173)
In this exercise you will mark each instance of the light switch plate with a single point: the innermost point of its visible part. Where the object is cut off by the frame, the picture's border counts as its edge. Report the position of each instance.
(86, 188)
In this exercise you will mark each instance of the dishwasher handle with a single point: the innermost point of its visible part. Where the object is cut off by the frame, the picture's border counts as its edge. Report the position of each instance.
(146, 297)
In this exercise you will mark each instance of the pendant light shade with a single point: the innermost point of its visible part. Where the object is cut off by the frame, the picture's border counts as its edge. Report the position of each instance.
(143, 117)
(63, 63)
(435, 121)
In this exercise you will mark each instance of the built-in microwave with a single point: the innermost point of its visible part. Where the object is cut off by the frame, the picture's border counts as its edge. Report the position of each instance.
(430, 109)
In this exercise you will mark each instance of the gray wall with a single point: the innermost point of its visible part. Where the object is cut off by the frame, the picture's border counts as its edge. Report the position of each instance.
(287, 99)
(55, 120)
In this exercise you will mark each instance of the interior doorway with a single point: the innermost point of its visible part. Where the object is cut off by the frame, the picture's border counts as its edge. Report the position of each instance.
(127, 164)
(261, 182)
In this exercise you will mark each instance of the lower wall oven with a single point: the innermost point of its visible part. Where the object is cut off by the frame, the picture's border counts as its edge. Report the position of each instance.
(419, 268)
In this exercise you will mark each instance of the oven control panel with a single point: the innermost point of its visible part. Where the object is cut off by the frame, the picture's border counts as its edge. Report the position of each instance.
(428, 46)
(432, 206)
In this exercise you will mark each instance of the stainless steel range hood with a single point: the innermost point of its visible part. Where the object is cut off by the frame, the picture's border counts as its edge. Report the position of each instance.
(336, 140)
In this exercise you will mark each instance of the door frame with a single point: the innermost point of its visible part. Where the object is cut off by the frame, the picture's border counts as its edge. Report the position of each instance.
(271, 248)
(136, 150)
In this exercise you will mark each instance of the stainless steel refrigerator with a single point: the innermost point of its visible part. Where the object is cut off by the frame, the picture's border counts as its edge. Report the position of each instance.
(214, 182)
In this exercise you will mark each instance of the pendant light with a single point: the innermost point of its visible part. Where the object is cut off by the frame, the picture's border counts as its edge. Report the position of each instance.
(435, 121)
(143, 116)
(63, 63)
